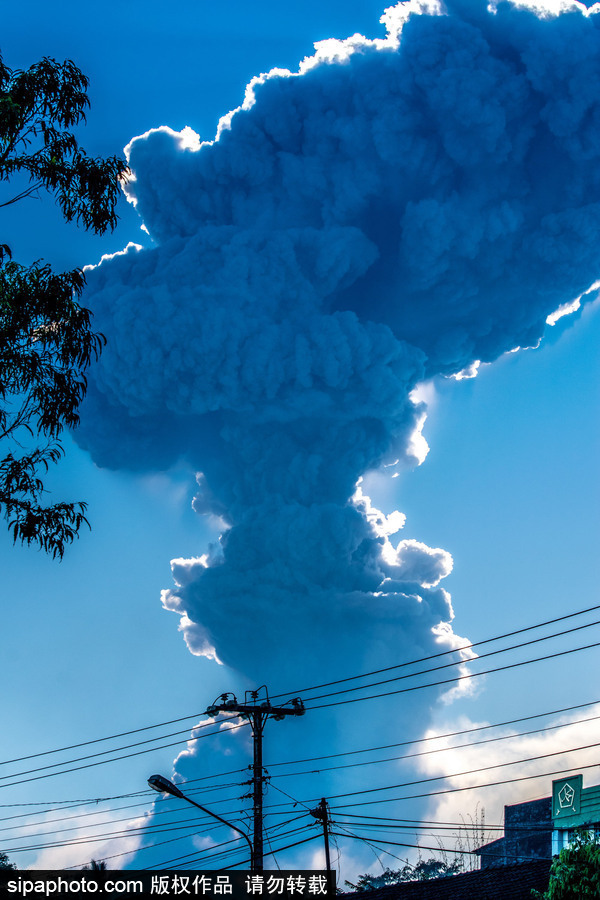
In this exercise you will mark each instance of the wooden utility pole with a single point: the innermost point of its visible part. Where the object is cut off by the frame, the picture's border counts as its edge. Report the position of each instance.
(322, 813)
(257, 714)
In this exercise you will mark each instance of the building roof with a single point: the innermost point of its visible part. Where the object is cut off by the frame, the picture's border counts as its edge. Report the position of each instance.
(510, 882)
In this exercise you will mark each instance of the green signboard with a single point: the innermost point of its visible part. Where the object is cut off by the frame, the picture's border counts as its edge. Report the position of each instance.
(566, 797)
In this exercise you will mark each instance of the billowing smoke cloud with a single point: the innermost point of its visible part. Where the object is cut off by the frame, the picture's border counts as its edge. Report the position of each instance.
(399, 209)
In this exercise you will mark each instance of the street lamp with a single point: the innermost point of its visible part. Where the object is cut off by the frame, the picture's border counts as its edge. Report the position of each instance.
(164, 786)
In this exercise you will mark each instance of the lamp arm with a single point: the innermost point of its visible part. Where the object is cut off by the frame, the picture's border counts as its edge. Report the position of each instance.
(224, 821)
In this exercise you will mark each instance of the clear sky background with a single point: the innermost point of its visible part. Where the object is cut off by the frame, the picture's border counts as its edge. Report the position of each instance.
(509, 487)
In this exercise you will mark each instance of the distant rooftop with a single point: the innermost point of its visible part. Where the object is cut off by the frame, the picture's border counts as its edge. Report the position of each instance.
(508, 882)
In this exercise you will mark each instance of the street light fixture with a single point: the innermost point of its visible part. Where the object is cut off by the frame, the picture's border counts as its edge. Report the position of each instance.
(164, 786)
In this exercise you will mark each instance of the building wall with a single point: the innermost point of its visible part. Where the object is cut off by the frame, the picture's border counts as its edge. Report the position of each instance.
(528, 830)
(531, 832)
(527, 835)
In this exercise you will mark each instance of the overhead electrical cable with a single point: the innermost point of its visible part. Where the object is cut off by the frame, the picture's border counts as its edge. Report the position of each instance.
(66, 762)
(190, 857)
(420, 781)
(123, 833)
(63, 829)
(425, 824)
(71, 804)
(371, 762)
(335, 703)
(215, 803)
(473, 730)
(210, 857)
(21, 825)
(447, 850)
(101, 824)
(96, 812)
(306, 690)
(148, 793)
(502, 765)
(136, 850)
(109, 737)
(194, 822)
(376, 850)
(246, 861)
(368, 842)
(125, 756)
(296, 802)
(161, 843)
(168, 862)
(469, 787)
(421, 659)
(455, 680)
(96, 800)
(125, 747)
(458, 662)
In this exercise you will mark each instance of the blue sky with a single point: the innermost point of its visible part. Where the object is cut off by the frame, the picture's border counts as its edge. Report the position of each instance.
(509, 487)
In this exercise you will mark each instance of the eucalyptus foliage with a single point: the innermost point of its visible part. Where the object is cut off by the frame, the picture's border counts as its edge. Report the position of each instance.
(46, 338)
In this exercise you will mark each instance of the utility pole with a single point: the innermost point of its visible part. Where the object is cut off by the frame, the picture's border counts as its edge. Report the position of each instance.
(257, 714)
(322, 813)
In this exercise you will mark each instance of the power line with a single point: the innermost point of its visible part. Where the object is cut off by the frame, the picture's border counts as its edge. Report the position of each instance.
(210, 857)
(151, 847)
(455, 851)
(148, 827)
(96, 811)
(109, 835)
(470, 787)
(137, 850)
(186, 856)
(125, 756)
(371, 762)
(296, 802)
(373, 847)
(450, 790)
(309, 689)
(437, 737)
(277, 850)
(385, 822)
(110, 737)
(176, 859)
(456, 679)
(132, 832)
(446, 652)
(95, 800)
(66, 762)
(338, 702)
(501, 765)
(117, 749)
(322, 706)
(68, 804)
(354, 793)
(459, 662)
(63, 830)
(193, 856)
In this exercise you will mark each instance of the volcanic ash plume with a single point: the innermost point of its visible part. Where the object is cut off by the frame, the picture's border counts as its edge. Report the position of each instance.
(398, 209)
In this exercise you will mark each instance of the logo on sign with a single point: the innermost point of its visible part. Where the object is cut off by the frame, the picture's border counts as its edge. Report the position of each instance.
(566, 796)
